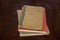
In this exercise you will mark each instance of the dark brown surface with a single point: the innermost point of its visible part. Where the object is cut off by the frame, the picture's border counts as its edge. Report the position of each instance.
(8, 19)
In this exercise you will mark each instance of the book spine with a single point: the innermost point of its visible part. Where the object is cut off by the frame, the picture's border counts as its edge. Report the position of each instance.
(22, 16)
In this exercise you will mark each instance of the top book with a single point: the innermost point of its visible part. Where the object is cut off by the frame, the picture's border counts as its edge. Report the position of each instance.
(31, 17)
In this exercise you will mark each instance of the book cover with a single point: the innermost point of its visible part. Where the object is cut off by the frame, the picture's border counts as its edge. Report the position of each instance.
(32, 17)
(44, 27)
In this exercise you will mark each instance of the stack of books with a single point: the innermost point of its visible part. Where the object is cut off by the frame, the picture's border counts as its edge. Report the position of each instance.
(32, 21)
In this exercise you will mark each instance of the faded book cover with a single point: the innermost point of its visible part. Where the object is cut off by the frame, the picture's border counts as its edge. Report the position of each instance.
(32, 17)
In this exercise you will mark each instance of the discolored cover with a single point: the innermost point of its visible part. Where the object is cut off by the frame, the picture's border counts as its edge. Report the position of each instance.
(32, 17)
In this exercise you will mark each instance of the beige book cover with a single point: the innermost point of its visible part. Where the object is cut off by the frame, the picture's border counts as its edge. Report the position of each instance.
(32, 17)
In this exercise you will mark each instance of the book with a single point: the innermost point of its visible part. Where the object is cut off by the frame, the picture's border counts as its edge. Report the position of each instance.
(32, 21)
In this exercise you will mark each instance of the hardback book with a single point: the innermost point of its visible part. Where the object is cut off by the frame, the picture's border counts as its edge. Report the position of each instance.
(32, 21)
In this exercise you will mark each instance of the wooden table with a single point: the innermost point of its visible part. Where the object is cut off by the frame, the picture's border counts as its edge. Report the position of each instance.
(8, 19)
